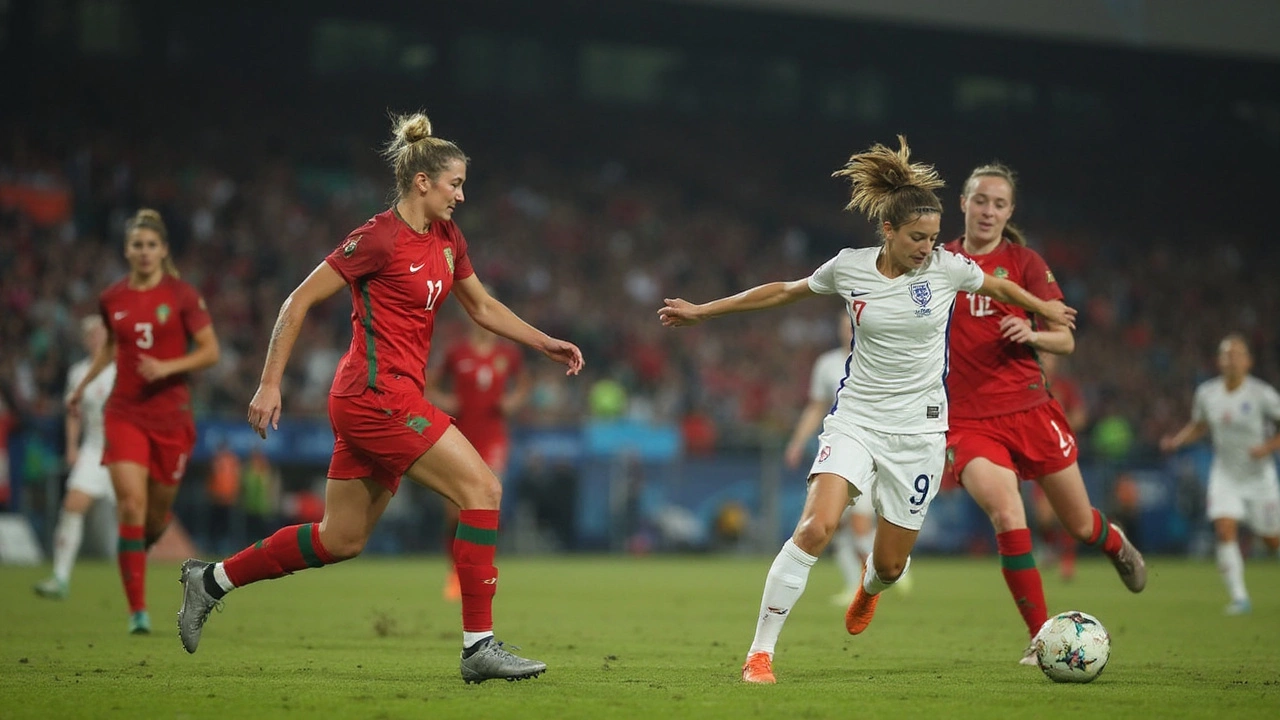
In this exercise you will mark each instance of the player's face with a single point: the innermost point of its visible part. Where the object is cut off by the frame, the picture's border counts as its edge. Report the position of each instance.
(987, 208)
(909, 245)
(145, 250)
(444, 192)
(1234, 360)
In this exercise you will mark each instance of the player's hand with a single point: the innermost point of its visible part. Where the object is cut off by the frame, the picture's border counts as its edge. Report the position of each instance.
(264, 410)
(1167, 444)
(792, 455)
(565, 353)
(73, 402)
(678, 313)
(73, 454)
(152, 369)
(1017, 329)
(1259, 452)
(1059, 314)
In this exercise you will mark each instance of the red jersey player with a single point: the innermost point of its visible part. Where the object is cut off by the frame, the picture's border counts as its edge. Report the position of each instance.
(488, 382)
(399, 266)
(152, 317)
(1005, 424)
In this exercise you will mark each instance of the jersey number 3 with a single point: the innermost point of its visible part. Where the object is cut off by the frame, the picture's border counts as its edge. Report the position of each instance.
(145, 337)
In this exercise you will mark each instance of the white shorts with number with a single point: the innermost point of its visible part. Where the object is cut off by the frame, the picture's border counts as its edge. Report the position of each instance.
(900, 474)
(90, 477)
(1256, 502)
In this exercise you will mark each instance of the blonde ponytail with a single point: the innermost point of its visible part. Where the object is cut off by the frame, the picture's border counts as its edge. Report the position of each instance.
(414, 150)
(888, 187)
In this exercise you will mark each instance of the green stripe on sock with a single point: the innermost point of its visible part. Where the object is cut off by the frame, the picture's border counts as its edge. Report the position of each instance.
(309, 555)
(477, 536)
(1106, 530)
(130, 546)
(1026, 561)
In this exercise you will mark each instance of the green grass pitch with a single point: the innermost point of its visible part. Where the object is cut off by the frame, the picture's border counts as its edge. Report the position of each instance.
(633, 638)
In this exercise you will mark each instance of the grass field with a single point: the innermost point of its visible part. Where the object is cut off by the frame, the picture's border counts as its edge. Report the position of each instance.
(633, 638)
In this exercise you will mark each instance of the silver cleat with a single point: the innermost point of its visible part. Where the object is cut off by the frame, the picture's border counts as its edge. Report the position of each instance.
(492, 661)
(197, 603)
(1129, 563)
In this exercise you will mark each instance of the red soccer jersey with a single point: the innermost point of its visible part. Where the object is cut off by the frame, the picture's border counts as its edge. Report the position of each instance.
(479, 381)
(398, 279)
(158, 322)
(989, 375)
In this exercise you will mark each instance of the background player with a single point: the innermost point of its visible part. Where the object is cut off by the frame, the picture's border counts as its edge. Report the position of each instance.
(1057, 541)
(1004, 423)
(89, 481)
(399, 266)
(885, 435)
(1240, 413)
(153, 318)
(486, 382)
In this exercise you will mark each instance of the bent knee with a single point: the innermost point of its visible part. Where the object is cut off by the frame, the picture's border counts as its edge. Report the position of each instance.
(889, 570)
(813, 533)
(344, 548)
(483, 494)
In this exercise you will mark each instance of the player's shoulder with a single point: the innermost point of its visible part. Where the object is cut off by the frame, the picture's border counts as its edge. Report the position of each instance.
(379, 230)
(115, 289)
(1212, 386)
(956, 246)
(1259, 386)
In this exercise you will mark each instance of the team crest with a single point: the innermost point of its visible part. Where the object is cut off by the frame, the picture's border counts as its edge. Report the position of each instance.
(824, 453)
(448, 257)
(1001, 273)
(350, 248)
(1048, 275)
(162, 313)
(921, 293)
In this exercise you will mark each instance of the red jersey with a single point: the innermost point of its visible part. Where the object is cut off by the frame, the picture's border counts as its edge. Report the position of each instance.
(158, 322)
(479, 382)
(991, 376)
(398, 279)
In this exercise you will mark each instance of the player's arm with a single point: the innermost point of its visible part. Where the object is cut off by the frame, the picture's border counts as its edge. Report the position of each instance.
(806, 426)
(1191, 432)
(106, 353)
(71, 427)
(1007, 291)
(446, 401)
(205, 354)
(678, 313)
(1266, 448)
(490, 314)
(323, 283)
(519, 395)
(1053, 338)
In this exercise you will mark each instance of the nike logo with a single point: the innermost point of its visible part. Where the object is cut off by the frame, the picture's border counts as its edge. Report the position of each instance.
(415, 268)
(119, 315)
(855, 293)
(914, 511)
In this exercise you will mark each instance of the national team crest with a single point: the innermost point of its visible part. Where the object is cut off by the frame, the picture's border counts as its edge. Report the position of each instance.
(921, 293)
(824, 453)
(448, 257)
(1001, 272)
(162, 313)
(350, 248)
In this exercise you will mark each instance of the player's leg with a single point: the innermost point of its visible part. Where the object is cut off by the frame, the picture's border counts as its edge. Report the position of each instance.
(1070, 500)
(844, 551)
(1231, 564)
(452, 589)
(67, 537)
(130, 482)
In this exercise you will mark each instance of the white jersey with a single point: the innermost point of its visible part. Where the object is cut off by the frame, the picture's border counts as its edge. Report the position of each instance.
(895, 375)
(93, 402)
(828, 371)
(1238, 420)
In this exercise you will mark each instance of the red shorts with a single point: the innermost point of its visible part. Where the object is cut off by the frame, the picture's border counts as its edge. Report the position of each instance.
(380, 433)
(164, 453)
(1033, 443)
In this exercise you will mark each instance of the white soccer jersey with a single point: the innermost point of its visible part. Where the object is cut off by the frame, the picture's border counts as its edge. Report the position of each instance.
(93, 402)
(895, 378)
(1238, 420)
(828, 371)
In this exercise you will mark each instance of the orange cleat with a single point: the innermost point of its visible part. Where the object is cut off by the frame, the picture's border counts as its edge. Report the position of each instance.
(759, 669)
(861, 610)
(452, 588)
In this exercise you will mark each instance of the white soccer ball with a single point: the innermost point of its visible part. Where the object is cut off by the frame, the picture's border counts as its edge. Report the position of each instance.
(1073, 647)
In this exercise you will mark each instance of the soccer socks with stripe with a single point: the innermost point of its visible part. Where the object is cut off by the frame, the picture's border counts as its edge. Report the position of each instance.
(873, 584)
(782, 588)
(131, 557)
(1104, 535)
(1019, 568)
(289, 550)
(474, 546)
(1231, 565)
(66, 544)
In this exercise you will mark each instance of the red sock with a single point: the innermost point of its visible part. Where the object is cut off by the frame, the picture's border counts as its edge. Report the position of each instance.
(473, 550)
(1022, 577)
(1104, 535)
(291, 549)
(131, 556)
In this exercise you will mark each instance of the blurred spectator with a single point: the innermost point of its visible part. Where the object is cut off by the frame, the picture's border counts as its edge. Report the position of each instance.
(223, 490)
(260, 495)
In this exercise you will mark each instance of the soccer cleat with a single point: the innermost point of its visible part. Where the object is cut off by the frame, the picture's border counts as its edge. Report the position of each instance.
(1129, 563)
(52, 588)
(1029, 656)
(197, 603)
(452, 588)
(492, 661)
(140, 623)
(759, 669)
(863, 607)
(1238, 607)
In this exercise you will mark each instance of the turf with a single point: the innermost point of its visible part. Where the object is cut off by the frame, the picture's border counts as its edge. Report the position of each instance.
(633, 638)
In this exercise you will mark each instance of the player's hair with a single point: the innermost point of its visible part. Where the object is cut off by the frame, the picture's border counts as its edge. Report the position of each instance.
(998, 169)
(148, 219)
(888, 187)
(1234, 337)
(413, 150)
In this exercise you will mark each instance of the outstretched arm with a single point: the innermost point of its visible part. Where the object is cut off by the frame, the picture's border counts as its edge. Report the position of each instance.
(1054, 338)
(492, 315)
(1006, 291)
(678, 312)
(1191, 432)
(106, 353)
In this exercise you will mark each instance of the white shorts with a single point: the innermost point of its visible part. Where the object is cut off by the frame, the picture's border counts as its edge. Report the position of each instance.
(899, 473)
(1256, 503)
(90, 477)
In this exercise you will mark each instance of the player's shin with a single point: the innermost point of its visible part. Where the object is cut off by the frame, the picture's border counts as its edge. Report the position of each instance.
(473, 548)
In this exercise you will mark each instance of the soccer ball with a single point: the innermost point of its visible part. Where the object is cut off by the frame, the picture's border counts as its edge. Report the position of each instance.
(1072, 647)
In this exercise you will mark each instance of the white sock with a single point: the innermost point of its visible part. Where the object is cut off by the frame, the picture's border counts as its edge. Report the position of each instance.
(871, 582)
(1231, 565)
(864, 544)
(220, 577)
(66, 544)
(782, 588)
(471, 638)
(844, 548)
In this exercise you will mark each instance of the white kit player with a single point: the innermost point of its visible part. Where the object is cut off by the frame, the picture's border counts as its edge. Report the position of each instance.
(1240, 413)
(886, 435)
(89, 481)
